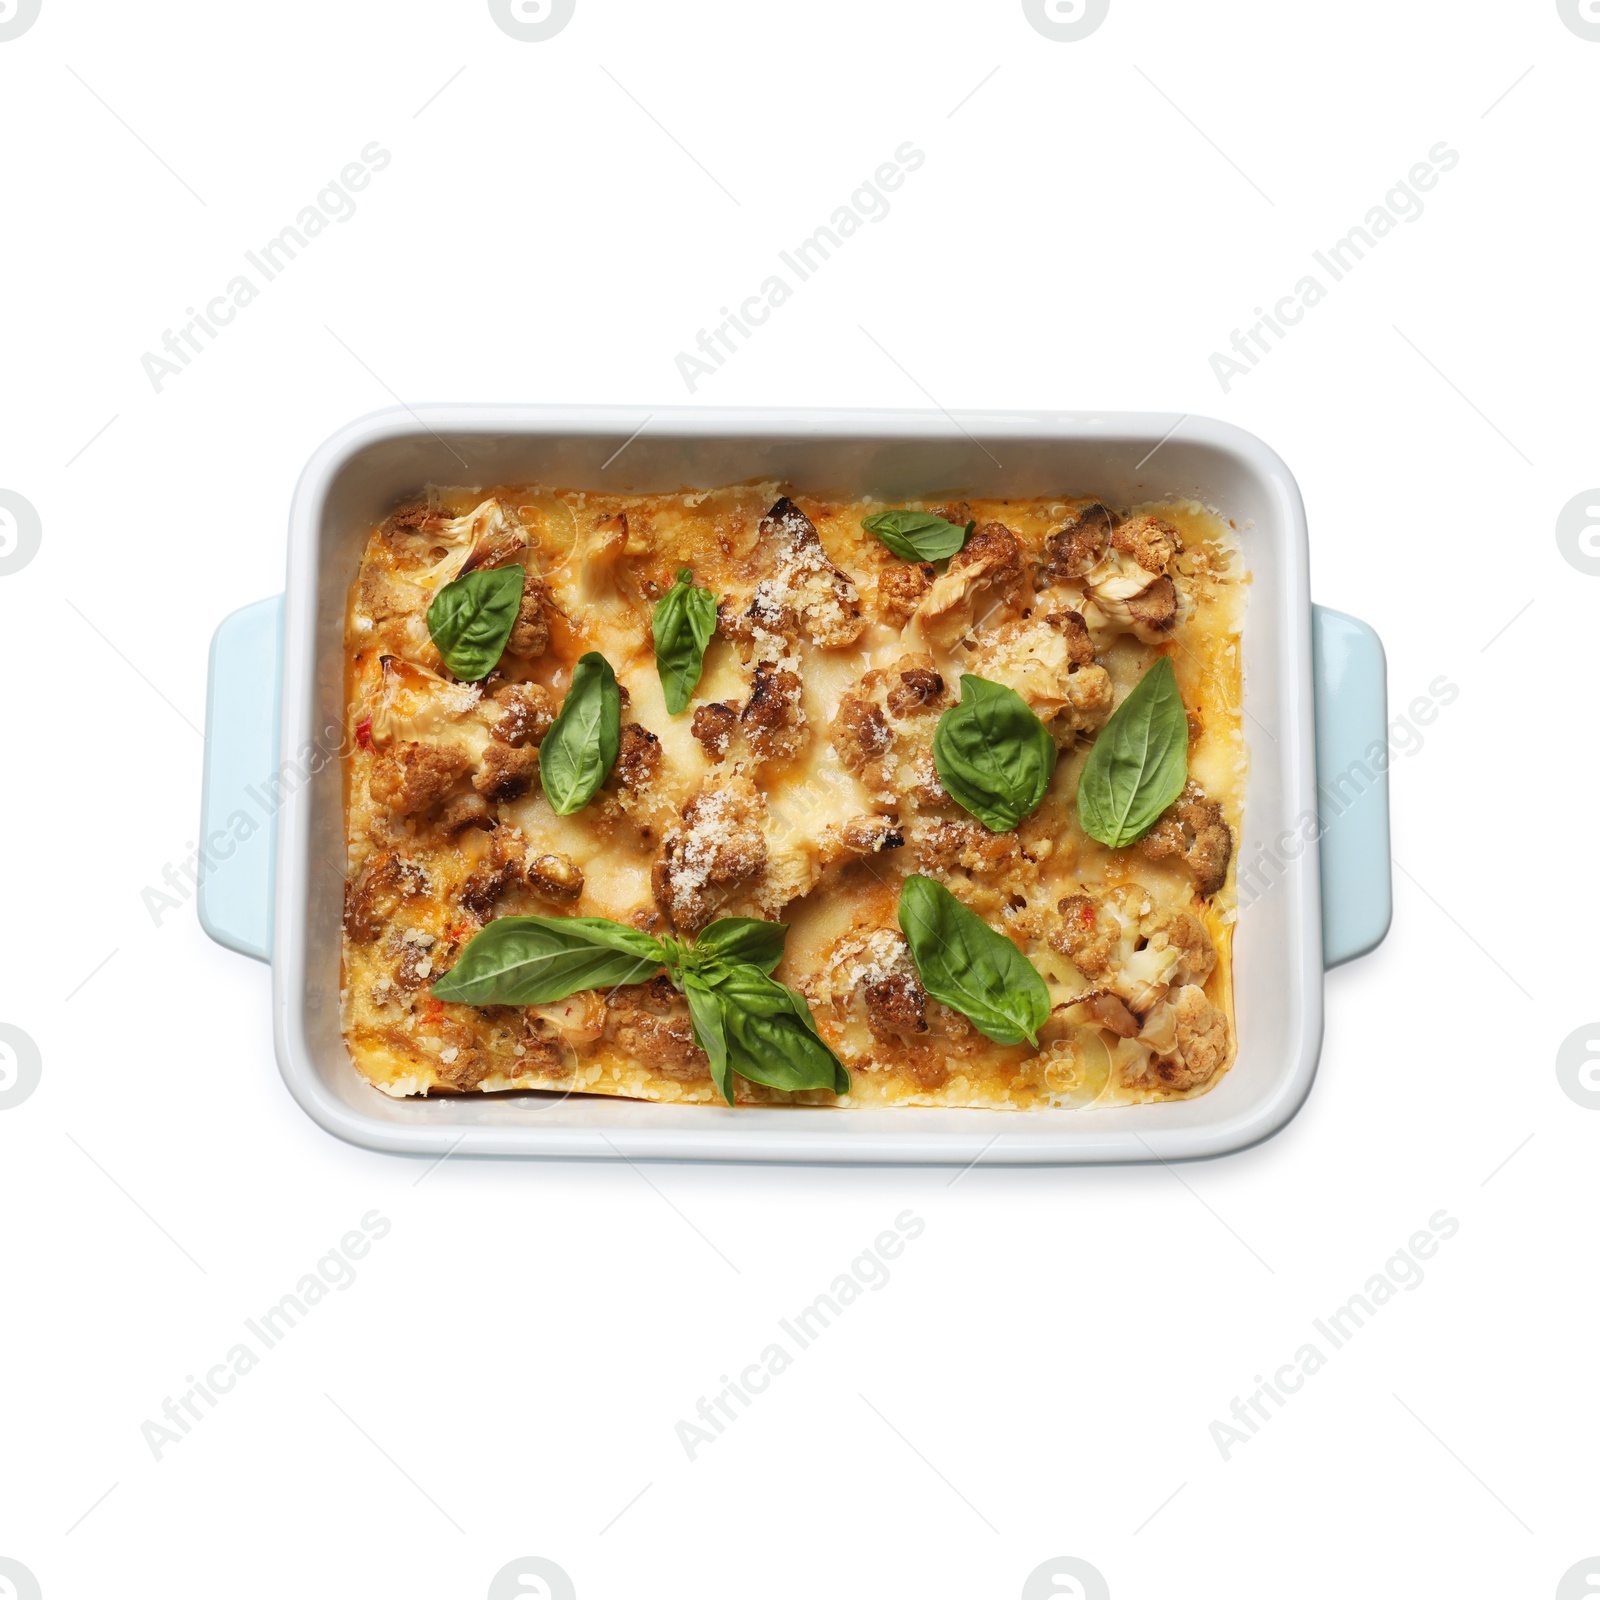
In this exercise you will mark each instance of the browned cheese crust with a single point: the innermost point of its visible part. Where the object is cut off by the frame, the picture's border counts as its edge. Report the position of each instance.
(798, 786)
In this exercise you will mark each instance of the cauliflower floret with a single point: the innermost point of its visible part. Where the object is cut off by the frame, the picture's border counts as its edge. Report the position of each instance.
(916, 687)
(1169, 928)
(1199, 1033)
(1036, 660)
(1193, 829)
(1089, 935)
(1130, 946)
(901, 588)
(484, 537)
(720, 845)
(1150, 541)
(506, 771)
(987, 579)
(1130, 600)
(414, 777)
(897, 1006)
(806, 586)
(1144, 975)
(1078, 544)
(859, 732)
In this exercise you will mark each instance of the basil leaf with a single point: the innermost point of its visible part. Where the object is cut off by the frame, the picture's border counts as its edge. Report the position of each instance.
(918, 535)
(962, 961)
(769, 1033)
(472, 617)
(705, 1017)
(531, 961)
(995, 758)
(1138, 764)
(745, 939)
(582, 744)
(683, 622)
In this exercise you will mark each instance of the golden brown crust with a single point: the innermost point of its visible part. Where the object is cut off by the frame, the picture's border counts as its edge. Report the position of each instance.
(1156, 609)
(1080, 645)
(896, 1005)
(772, 719)
(713, 726)
(506, 771)
(901, 588)
(1194, 829)
(721, 844)
(858, 732)
(801, 787)
(372, 897)
(414, 777)
(639, 756)
(1078, 544)
(1087, 935)
(530, 634)
(1151, 541)
(529, 709)
(917, 688)
(556, 878)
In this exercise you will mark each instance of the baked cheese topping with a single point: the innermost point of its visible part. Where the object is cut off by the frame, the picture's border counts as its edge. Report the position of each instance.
(799, 785)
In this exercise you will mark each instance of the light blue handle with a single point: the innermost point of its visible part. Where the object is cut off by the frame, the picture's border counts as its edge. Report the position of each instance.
(1349, 675)
(237, 836)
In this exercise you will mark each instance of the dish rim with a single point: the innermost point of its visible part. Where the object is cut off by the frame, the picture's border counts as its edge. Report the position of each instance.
(459, 1125)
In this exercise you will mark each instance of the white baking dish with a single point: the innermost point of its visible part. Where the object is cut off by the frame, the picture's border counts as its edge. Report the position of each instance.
(1314, 703)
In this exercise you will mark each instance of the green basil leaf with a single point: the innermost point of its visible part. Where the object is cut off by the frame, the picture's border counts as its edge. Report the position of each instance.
(995, 758)
(918, 535)
(531, 961)
(472, 617)
(962, 961)
(683, 622)
(744, 939)
(1139, 763)
(769, 1033)
(582, 744)
(705, 1017)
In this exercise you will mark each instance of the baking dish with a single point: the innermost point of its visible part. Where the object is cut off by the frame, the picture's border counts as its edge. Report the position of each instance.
(1313, 857)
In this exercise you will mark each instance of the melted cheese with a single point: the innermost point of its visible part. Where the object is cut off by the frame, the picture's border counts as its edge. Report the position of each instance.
(838, 841)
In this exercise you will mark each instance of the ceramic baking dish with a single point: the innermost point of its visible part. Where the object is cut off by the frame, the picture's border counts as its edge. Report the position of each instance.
(1314, 707)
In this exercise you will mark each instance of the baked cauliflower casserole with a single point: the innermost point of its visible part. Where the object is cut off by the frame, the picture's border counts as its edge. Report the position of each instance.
(747, 796)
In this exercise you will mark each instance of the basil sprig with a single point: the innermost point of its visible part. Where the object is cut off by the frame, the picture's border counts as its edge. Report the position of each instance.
(534, 961)
(750, 1024)
(918, 535)
(1139, 763)
(745, 939)
(683, 622)
(747, 1022)
(962, 961)
(582, 744)
(994, 757)
(471, 618)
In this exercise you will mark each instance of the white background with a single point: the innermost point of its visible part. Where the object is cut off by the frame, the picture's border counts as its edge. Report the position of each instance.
(1040, 1376)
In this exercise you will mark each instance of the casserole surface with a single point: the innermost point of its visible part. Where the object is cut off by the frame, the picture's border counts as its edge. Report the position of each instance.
(800, 785)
